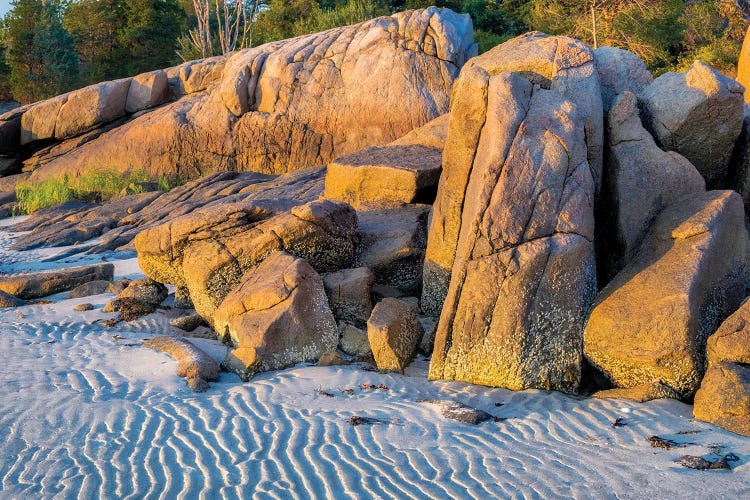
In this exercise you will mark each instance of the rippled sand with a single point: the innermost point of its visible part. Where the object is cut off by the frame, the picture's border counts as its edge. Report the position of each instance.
(87, 415)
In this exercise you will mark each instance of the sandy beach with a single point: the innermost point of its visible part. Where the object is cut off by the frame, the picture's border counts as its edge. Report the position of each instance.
(87, 412)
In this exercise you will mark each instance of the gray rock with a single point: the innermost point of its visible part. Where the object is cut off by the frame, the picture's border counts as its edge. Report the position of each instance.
(697, 114)
(348, 291)
(392, 244)
(460, 412)
(354, 342)
(620, 71)
(188, 323)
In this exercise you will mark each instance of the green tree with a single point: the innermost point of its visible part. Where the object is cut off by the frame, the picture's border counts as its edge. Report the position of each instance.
(41, 54)
(150, 34)
(96, 26)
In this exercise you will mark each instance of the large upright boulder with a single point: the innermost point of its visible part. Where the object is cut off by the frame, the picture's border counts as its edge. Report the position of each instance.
(524, 274)
(640, 181)
(289, 104)
(560, 64)
(650, 324)
(743, 67)
(697, 114)
(277, 316)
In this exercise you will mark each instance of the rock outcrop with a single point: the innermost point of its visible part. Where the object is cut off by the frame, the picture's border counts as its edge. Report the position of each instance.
(640, 181)
(274, 108)
(393, 332)
(42, 284)
(524, 274)
(650, 324)
(208, 251)
(560, 64)
(277, 316)
(697, 114)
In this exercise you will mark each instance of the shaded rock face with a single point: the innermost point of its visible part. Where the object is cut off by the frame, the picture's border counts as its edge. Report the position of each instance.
(739, 167)
(277, 107)
(392, 241)
(393, 332)
(208, 251)
(349, 294)
(37, 285)
(640, 181)
(560, 64)
(724, 395)
(354, 342)
(697, 114)
(277, 316)
(524, 274)
(650, 324)
(620, 71)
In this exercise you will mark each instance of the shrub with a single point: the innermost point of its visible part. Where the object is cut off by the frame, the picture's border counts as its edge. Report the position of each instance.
(100, 185)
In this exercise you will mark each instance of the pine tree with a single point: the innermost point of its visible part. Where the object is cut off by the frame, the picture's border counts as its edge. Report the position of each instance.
(41, 54)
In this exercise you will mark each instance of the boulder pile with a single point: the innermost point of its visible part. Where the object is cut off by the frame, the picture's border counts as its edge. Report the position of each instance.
(539, 213)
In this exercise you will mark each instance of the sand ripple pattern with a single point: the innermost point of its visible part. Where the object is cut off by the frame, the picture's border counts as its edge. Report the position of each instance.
(88, 416)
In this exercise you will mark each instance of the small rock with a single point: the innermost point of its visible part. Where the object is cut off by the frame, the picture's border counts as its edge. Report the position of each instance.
(354, 342)
(188, 323)
(145, 290)
(331, 358)
(83, 307)
(8, 300)
(458, 411)
(129, 308)
(394, 332)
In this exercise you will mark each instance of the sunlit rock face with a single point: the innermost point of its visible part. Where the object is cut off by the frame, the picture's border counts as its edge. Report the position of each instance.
(274, 108)
(523, 267)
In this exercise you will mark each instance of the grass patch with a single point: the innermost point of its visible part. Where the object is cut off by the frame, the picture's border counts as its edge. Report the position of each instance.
(96, 186)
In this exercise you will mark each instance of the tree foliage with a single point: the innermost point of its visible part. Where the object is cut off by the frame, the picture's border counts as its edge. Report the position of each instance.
(40, 53)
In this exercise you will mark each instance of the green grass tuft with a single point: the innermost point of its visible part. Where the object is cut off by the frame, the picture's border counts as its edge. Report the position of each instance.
(97, 186)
